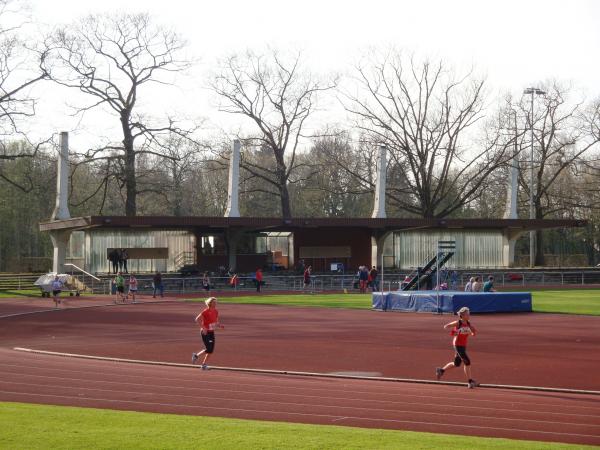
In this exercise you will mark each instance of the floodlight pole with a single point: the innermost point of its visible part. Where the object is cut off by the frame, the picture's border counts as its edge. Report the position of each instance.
(532, 250)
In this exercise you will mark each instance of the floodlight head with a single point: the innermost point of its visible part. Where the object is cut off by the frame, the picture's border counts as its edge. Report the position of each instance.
(531, 91)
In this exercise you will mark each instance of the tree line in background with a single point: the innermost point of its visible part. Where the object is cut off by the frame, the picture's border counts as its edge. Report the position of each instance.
(449, 149)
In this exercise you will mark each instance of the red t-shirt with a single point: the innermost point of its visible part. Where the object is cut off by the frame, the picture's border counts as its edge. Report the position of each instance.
(210, 317)
(259, 275)
(461, 333)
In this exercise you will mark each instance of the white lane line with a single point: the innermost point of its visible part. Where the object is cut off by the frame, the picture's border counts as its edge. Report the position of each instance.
(205, 407)
(327, 390)
(77, 307)
(317, 405)
(315, 374)
(239, 389)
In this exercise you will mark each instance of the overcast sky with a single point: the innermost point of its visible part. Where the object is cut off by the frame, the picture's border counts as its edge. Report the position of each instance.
(514, 43)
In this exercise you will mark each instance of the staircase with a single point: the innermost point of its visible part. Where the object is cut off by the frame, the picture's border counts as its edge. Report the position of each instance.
(423, 276)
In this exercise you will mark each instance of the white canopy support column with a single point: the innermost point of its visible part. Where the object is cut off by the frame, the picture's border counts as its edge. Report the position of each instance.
(233, 186)
(512, 191)
(60, 239)
(377, 243)
(379, 200)
(510, 239)
(61, 210)
(232, 238)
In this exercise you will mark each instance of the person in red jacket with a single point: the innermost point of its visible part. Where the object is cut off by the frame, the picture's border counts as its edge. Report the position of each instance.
(461, 329)
(259, 279)
(209, 322)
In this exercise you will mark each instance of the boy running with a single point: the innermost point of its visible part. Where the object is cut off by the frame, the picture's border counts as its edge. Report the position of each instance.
(57, 286)
(208, 321)
(461, 330)
(120, 285)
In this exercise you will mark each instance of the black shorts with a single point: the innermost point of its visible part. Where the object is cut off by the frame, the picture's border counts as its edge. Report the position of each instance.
(461, 356)
(209, 341)
(206, 287)
(55, 293)
(120, 289)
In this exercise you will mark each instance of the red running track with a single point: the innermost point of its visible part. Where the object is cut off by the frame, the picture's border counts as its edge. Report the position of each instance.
(511, 349)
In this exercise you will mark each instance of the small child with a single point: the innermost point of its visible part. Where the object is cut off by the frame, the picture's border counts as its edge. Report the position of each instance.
(120, 285)
(133, 287)
(461, 330)
(57, 286)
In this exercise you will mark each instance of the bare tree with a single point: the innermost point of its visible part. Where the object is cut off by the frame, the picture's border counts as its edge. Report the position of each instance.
(425, 115)
(21, 67)
(565, 133)
(111, 58)
(278, 99)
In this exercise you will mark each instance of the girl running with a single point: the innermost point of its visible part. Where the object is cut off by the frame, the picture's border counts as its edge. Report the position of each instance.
(461, 330)
(133, 287)
(208, 321)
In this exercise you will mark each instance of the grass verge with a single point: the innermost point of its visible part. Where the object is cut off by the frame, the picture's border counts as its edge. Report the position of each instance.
(573, 301)
(41, 427)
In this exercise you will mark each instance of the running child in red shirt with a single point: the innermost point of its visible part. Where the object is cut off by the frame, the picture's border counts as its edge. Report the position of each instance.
(461, 330)
(208, 321)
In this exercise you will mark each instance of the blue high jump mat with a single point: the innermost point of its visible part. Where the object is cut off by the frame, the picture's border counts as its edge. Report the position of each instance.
(451, 301)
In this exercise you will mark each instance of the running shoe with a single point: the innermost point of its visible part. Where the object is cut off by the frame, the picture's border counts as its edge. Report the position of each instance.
(472, 384)
(194, 358)
(439, 372)
(204, 367)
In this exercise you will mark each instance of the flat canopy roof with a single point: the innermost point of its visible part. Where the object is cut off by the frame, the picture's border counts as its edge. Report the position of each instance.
(218, 224)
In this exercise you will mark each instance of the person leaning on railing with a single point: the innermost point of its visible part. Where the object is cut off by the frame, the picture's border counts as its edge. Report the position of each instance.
(157, 284)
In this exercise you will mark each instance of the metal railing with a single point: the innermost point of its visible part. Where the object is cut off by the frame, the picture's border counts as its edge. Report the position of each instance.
(331, 283)
(87, 281)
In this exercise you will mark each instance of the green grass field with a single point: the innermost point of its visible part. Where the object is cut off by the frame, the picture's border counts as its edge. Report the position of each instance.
(32, 427)
(16, 293)
(573, 301)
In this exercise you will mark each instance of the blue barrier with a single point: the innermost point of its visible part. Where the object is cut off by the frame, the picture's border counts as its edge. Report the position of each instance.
(452, 301)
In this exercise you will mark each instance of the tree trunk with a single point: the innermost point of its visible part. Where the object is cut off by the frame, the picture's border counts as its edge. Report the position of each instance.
(178, 191)
(539, 236)
(129, 171)
(286, 211)
(539, 248)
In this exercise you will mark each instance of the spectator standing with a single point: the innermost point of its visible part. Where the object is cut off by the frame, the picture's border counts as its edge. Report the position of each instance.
(306, 277)
(454, 280)
(113, 257)
(363, 278)
(124, 259)
(157, 284)
(233, 282)
(476, 287)
(259, 279)
(119, 259)
(373, 274)
(469, 285)
(206, 282)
